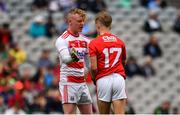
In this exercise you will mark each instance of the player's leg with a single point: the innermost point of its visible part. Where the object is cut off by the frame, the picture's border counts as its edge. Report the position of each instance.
(85, 101)
(68, 98)
(104, 91)
(85, 108)
(119, 94)
(119, 106)
(69, 108)
(104, 107)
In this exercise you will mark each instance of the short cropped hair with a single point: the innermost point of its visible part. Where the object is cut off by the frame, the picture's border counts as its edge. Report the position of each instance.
(81, 12)
(104, 18)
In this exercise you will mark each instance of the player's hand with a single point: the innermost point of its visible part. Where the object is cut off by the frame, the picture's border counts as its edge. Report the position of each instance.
(94, 81)
(74, 55)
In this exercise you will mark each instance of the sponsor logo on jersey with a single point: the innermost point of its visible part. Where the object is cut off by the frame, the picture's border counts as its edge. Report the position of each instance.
(109, 39)
(81, 54)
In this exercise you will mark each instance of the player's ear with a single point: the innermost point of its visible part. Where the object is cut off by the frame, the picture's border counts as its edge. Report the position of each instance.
(69, 21)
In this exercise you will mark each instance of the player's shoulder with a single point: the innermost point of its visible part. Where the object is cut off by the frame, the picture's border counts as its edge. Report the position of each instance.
(94, 42)
(62, 38)
(85, 38)
(65, 35)
(120, 40)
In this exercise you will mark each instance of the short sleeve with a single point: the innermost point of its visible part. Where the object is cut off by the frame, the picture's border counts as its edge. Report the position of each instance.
(92, 49)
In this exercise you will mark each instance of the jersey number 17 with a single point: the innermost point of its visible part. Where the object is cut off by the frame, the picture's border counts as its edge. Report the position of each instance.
(107, 52)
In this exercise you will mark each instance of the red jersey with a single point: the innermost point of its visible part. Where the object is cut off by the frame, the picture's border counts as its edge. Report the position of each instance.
(110, 52)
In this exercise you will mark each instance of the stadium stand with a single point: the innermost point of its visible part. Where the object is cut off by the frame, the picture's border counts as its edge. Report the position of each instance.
(144, 94)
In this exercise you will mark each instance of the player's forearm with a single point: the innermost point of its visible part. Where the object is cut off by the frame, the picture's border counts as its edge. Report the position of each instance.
(92, 72)
(124, 63)
(68, 57)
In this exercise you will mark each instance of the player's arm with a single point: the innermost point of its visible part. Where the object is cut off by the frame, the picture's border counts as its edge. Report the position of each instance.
(124, 56)
(66, 55)
(93, 60)
(87, 63)
(124, 63)
(93, 70)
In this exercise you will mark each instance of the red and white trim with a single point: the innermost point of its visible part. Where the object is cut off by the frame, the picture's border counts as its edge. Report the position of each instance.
(65, 94)
(65, 35)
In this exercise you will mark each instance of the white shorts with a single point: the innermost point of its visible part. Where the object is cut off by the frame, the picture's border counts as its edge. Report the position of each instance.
(78, 94)
(111, 87)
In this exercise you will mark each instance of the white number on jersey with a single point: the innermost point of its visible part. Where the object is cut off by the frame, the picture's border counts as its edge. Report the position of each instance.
(107, 52)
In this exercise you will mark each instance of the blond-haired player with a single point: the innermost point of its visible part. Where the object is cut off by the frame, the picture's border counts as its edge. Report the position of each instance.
(72, 50)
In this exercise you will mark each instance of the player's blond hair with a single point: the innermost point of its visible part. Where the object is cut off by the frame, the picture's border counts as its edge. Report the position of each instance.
(78, 11)
(104, 18)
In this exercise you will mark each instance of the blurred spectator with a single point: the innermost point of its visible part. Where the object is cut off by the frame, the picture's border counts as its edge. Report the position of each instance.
(62, 27)
(154, 4)
(18, 53)
(97, 6)
(9, 67)
(54, 6)
(34, 107)
(39, 4)
(1, 71)
(147, 68)
(3, 106)
(55, 82)
(49, 77)
(175, 110)
(152, 48)
(3, 53)
(3, 6)
(6, 37)
(83, 4)
(39, 85)
(37, 27)
(53, 101)
(16, 102)
(26, 79)
(162, 3)
(50, 27)
(163, 109)
(66, 5)
(39, 74)
(56, 69)
(44, 60)
(176, 25)
(39, 104)
(28, 94)
(132, 68)
(14, 110)
(144, 3)
(125, 3)
(152, 24)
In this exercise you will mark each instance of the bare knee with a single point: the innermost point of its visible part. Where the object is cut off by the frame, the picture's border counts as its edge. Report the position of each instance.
(85, 108)
(104, 107)
(119, 106)
(69, 108)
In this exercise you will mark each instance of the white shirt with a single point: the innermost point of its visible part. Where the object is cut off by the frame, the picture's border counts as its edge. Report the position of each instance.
(75, 71)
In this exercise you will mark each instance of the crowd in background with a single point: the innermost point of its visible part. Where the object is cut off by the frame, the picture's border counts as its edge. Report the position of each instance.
(24, 92)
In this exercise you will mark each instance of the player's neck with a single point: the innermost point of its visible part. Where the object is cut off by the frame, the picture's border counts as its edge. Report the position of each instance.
(74, 33)
(103, 31)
